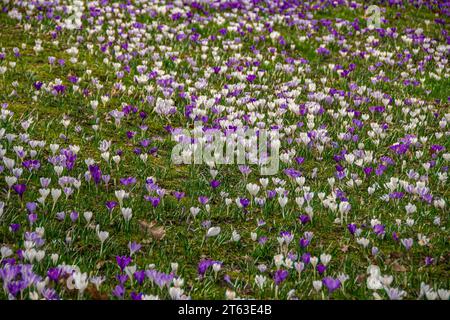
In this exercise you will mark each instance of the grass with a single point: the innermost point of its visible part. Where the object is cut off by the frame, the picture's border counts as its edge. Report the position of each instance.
(184, 242)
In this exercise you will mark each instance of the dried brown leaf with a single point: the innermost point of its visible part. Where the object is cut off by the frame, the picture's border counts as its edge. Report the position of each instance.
(398, 267)
(95, 294)
(361, 278)
(100, 264)
(157, 232)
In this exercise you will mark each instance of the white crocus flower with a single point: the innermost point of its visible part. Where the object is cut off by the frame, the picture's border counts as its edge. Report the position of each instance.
(80, 281)
(212, 232)
(260, 280)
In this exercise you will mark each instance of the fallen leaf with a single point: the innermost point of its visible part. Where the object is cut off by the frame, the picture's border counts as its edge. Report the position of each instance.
(100, 264)
(157, 232)
(95, 294)
(360, 278)
(145, 225)
(395, 255)
(398, 267)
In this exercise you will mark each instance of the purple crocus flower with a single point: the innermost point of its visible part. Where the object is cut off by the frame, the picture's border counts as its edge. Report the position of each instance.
(280, 275)
(244, 202)
(20, 189)
(306, 257)
(245, 170)
(139, 275)
(300, 160)
(10, 261)
(251, 78)
(119, 291)
(68, 157)
(379, 230)
(31, 207)
(134, 247)
(262, 240)
(304, 218)
(32, 217)
(204, 264)
(214, 184)
(45, 182)
(74, 216)
(14, 227)
(331, 284)
(54, 274)
(72, 79)
(96, 173)
(407, 243)
(293, 173)
(321, 268)
(111, 205)
(38, 85)
(123, 261)
(153, 200)
(368, 171)
(128, 181)
(136, 296)
(160, 278)
(14, 287)
(374, 251)
(31, 164)
(271, 194)
(60, 215)
(304, 242)
(323, 51)
(351, 228)
(203, 200)
(122, 278)
(395, 236)
(227, 279)
(178, 195)
(59, 88)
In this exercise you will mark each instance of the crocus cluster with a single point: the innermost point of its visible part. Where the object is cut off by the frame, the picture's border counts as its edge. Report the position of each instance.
(97, 201)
